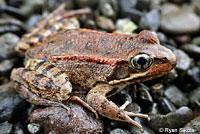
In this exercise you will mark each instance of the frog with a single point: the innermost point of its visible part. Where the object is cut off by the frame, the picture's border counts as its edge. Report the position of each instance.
(61, 58)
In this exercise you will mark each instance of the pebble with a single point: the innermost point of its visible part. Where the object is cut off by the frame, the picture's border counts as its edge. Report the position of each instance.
(150, 20)
(86, 3)
(7, 44)
(105, 23)
(157, 90)
(193, 75)
(135, 130)
(126, 25)
(32, 20)
(154, 109)
(6, 66)
(11, 105)
(179, 20)
(58, 120)
(162, 37)
(7, 87)
(174, 119)
(120, 131)
(176, 96)
(195, 97)
(196, 40)
(193, 127)
(143, 4)
(109, 8)
(165, 106)
(127, 9)
(145, 98)
(182, 39)
(33, 128)
(192, 49)
(53, 4)
(183, 60)
(6, 128)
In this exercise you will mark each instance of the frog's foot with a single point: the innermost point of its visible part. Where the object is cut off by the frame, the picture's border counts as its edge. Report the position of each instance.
(131, 114)
(76, 99)
(97, 99)
(58, 19)
(42, 83)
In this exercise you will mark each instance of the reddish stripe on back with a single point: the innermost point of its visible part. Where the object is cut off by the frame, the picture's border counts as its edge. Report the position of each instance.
(88, 58)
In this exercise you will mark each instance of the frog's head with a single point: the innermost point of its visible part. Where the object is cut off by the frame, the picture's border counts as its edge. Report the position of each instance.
(149, 59)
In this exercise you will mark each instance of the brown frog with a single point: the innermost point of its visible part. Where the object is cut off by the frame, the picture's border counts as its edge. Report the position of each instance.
(99, 63)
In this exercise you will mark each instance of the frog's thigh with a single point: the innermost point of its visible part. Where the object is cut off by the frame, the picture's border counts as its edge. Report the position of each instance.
(97, 99)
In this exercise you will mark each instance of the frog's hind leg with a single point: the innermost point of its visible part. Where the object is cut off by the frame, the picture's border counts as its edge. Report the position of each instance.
(96, 98)
(41, 83)
(58, 19)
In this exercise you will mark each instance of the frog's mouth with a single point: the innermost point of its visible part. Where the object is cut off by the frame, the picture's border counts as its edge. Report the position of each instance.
(160, 67)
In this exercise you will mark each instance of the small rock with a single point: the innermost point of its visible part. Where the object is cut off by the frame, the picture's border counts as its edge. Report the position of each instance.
(53, 4)
(86, 3)
(144, 96)
(193, 127)
(154, 109)
(165, 106)
(105, 23)
(195, 97)
(11, 105)
(196, 5)
(196, 40)
(6, 66)
(127, 9)
(176, 96)
(109, 8)
(194, 75)
(126, 25)
(57, 119)
(133, 107)
(5, 128)
(32, 20)
(192, 49)
(7, 45)
(172, 120)
(151, 20)
(183, 60)
(182, 39)
(7, 87)
(162, 37)
(119, 131)
(143, 4)
(157, 90)
(178, 21)
(33, 129)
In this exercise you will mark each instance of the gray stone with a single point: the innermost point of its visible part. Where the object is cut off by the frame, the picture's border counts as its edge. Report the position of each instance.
(7, 45)
(151, 20)
(173, 120)
(5, 128)
(195, 97)
(178, 21)
(193, 127)
(176, 96)
(119, 131)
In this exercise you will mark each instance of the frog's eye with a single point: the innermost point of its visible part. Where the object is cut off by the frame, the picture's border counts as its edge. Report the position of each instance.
(140, 61)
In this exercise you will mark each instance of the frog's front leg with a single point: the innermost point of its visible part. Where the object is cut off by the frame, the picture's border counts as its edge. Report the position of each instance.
(42, 83)
(97, 99)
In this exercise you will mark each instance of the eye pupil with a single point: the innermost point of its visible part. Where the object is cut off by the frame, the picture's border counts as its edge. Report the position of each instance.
(141, 61)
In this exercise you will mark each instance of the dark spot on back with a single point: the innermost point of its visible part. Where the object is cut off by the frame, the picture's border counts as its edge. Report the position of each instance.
(38, 65)
(44, 71)
(58, 74)
(30, 43)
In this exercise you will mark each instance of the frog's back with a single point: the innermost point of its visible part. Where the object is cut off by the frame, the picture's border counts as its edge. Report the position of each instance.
(88, 56)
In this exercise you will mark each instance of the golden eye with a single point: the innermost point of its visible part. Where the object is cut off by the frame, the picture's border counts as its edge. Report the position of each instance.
(140, 61)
